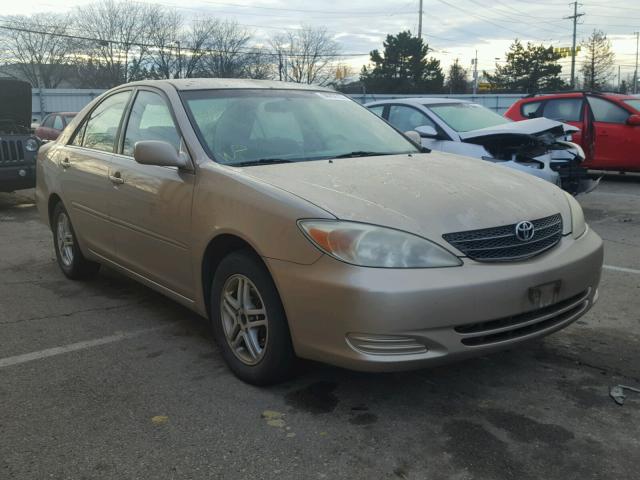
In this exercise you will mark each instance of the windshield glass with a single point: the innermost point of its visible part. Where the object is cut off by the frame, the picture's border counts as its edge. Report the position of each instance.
(464, 117)
(635, 103)
(240, 127)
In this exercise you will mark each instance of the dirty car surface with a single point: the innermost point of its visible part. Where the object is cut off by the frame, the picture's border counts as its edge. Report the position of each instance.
(540, 147)
(302, 225)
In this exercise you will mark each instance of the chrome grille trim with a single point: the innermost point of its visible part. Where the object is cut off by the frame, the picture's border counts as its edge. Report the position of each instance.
(495, 331)
(500, 244)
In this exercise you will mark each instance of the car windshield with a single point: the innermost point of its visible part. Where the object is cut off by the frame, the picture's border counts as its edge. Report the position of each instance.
(464, 117)
(635, 103)
(258, 126)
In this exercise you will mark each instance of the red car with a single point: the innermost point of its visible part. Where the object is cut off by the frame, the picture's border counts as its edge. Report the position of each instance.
(609, 124)
(53, 124)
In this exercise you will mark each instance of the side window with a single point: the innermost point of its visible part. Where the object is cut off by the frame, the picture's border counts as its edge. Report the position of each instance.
(48, 121)
(563, 109)
(530, 109)
(102, 127)
(57, 123)
(407, 118)
(606, 111)
(378, 110)
(150, 119)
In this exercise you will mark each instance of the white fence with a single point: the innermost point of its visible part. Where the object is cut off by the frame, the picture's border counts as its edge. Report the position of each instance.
(47, 100)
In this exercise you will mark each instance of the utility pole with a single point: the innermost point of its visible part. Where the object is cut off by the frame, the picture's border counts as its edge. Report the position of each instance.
(635, 72)
(574, 17)
(420, 21)
(475, 74)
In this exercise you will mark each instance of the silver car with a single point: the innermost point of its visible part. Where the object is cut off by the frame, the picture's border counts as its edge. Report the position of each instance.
(540, 146)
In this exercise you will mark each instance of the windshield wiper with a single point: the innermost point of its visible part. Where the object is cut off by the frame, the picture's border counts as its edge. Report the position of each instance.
(361, 153)
(261, 161)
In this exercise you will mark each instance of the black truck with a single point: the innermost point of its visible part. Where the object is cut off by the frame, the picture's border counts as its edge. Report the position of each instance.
(18, 145)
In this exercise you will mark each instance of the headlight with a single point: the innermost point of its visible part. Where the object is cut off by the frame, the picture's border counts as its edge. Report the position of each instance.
(372, 246)
(578, 225)
(31, 145)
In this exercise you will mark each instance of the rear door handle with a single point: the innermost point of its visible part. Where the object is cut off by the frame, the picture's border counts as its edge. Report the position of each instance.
(116, 178)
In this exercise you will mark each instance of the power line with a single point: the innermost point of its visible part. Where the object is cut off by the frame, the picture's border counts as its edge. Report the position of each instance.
(102, 41)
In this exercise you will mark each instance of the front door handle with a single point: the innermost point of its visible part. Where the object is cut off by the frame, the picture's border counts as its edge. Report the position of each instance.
(116, 178)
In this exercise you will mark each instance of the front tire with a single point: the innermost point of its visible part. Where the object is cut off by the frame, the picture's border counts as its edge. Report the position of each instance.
(249, 322)
(70, 258)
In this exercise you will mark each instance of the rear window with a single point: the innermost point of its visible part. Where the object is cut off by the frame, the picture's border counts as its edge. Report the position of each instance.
(530, 109)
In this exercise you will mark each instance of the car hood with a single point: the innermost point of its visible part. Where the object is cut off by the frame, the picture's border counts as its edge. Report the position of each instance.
(427, 194)
(534, 126)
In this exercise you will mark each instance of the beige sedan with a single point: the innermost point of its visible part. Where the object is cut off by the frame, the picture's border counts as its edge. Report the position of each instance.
(302, 225)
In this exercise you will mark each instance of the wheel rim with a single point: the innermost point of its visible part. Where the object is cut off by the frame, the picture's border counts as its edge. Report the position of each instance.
(65, 239)
(244, 319)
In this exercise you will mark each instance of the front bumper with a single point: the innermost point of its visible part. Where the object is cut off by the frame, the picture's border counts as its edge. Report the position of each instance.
(17, 177)
(340, 314)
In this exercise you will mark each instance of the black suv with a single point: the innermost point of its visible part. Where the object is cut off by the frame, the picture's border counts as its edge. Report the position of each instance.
(18, 145)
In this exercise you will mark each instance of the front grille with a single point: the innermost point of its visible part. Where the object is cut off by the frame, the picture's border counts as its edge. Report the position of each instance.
(500, 244)
(11, 151)
(385, 344)
(494, 331)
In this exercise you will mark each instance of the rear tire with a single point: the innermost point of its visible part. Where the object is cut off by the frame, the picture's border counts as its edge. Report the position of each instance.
(70, 258)
(249, 322)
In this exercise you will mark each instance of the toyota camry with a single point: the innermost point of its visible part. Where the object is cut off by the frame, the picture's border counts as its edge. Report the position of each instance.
(301, 225)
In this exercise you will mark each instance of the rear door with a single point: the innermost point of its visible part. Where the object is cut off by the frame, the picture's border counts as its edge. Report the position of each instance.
(85, 162)
(150, 205)
(616, 144)
(567, 110)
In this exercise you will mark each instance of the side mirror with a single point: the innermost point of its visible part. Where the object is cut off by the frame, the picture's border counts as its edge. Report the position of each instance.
(414, 137)
(154, 152)
(633, 120)
(427, 131)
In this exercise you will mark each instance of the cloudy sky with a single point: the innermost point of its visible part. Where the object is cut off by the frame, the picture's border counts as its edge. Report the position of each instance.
(453, 28)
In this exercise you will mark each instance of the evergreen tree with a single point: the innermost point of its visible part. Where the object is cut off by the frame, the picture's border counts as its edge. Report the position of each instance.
(403, 67)
(457, 78)
(597, 69)
(529, 69)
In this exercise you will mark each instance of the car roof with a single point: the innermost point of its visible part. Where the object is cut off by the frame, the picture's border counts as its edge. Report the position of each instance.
(184, 84)
(421, 101)
(545, 96)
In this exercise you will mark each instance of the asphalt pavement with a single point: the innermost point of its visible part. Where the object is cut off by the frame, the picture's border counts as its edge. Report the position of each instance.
(107, 379)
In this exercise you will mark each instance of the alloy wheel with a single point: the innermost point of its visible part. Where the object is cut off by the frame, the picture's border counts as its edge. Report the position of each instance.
(244, 319)
(65, 239)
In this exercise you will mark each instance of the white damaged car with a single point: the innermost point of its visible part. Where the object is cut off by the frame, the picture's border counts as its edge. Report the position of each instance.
(540, 146)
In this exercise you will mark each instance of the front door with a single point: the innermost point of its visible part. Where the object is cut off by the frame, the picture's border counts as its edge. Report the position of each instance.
(85, 162)
(616, 144)
(150, 206)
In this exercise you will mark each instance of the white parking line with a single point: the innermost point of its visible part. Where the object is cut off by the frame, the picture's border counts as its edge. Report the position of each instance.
(621, 269)
(50, 352)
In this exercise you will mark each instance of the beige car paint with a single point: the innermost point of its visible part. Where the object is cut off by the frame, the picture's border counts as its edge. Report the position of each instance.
(158, 224)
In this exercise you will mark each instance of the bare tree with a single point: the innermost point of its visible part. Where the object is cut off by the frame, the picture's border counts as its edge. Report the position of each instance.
(36, 48)
(597, 69)
(122, 30)
(227, 55)
(307, 55)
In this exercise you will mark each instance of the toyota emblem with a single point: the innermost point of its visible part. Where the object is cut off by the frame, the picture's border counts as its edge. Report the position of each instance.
(525, 231)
